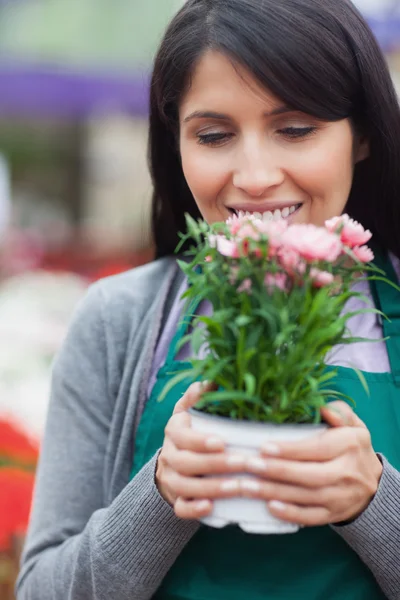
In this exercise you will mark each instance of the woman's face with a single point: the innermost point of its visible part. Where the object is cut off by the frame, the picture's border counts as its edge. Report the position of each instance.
(242, 149)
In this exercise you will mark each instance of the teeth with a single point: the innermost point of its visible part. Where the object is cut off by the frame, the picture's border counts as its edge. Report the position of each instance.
(285, 212)
(269, 215)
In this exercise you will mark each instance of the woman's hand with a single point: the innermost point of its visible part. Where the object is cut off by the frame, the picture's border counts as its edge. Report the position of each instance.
(186, 455)
(328, 479)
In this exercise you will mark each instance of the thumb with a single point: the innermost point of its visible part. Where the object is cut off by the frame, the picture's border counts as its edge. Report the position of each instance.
(340, 414)
(192, 395)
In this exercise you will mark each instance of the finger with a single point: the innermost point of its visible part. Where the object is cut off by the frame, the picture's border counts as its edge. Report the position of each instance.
(308, 516)
(190, 463)
(340, 414)
(304, 474)
(179, 430)
(203, 487)
(291, 494)
(322, 447)
(193, 395)
(192, 509)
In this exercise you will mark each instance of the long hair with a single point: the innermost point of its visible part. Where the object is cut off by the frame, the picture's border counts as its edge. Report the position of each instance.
(317, 56)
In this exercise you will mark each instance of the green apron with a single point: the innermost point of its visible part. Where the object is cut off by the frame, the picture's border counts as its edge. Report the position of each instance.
(313, 564)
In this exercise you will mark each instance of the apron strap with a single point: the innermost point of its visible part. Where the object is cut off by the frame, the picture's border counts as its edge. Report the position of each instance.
(387, 299)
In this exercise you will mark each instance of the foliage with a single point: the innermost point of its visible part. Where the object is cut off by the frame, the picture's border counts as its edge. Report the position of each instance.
(277, 311)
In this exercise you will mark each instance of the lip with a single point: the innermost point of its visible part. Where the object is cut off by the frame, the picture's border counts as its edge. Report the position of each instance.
(264, 207)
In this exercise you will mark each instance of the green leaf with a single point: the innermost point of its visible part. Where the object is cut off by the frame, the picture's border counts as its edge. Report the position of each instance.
(385, 280)
(181, 376)
(284, 400)
(213, 372)
(243, 320)
(250, 383)
(366, 311)
(362, 379)
(197, 340)
(337, 394)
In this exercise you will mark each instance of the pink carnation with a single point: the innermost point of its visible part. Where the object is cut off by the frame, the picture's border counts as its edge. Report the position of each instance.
(274, 231)
(312, 243)
(352, 233)
(245, 286)
(234, 224)
(273, 228)
(224, 246)
(289, 259)
(321, 278)
(363, 254)
(248, 231)
(276, 280)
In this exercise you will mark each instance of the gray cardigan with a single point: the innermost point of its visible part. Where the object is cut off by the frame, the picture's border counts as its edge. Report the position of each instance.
(95, 535)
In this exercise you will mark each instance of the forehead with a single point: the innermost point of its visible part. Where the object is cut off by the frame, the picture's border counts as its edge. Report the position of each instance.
(217, 82)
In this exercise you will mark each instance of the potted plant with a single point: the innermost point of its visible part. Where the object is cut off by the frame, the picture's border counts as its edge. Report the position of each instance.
(278, 293)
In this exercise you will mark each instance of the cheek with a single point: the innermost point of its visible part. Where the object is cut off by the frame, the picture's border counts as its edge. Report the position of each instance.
(206, 174)
(326, 173)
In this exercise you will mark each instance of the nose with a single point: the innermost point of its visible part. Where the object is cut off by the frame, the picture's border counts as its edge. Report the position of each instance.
(256, 173)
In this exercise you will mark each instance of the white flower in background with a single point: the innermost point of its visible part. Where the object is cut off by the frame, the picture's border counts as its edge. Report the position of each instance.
(35, 310)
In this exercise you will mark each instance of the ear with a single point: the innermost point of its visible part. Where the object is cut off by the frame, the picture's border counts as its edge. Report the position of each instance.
(361, 151)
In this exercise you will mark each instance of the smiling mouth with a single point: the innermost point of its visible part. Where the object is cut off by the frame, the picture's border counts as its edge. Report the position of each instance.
(269, 215)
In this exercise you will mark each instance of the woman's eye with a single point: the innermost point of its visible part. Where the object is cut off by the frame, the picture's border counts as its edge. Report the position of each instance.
(297, 132)
(213, 139)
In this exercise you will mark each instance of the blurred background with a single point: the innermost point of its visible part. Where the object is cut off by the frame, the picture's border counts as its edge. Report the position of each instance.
(74, 194)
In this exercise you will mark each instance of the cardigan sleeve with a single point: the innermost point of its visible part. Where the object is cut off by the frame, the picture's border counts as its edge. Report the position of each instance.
(375, 534)
(78, 547)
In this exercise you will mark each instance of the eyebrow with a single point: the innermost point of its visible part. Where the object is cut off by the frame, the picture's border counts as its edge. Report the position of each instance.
(199, 114)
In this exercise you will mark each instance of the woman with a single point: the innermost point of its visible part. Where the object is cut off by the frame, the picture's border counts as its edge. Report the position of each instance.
(272, 106)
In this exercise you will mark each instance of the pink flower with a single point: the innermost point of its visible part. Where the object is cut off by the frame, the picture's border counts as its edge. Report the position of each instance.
(321, 278)
(245, 286)
(351, 232)
(289, 259)
(333, 225)
(224, 246)
(234, 224)
(363, 254)
(248, 231)
(208, 258)
(273, 228)
(276, 280)
(312, 243)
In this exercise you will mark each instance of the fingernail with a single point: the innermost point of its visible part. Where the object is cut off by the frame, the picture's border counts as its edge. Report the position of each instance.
(202, 505)
(214, 443)
(231, 485)
(233, 460)
(257, 464)
(277, 505)
(271, 449)
(250, 485)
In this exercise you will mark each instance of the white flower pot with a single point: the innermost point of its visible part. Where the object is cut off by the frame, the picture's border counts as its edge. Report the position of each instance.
(246, 438)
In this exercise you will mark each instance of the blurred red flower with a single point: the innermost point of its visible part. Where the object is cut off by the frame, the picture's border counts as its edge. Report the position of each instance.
(18, 459)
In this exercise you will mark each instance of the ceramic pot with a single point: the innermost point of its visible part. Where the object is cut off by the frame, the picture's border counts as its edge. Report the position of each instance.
(246, 438)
